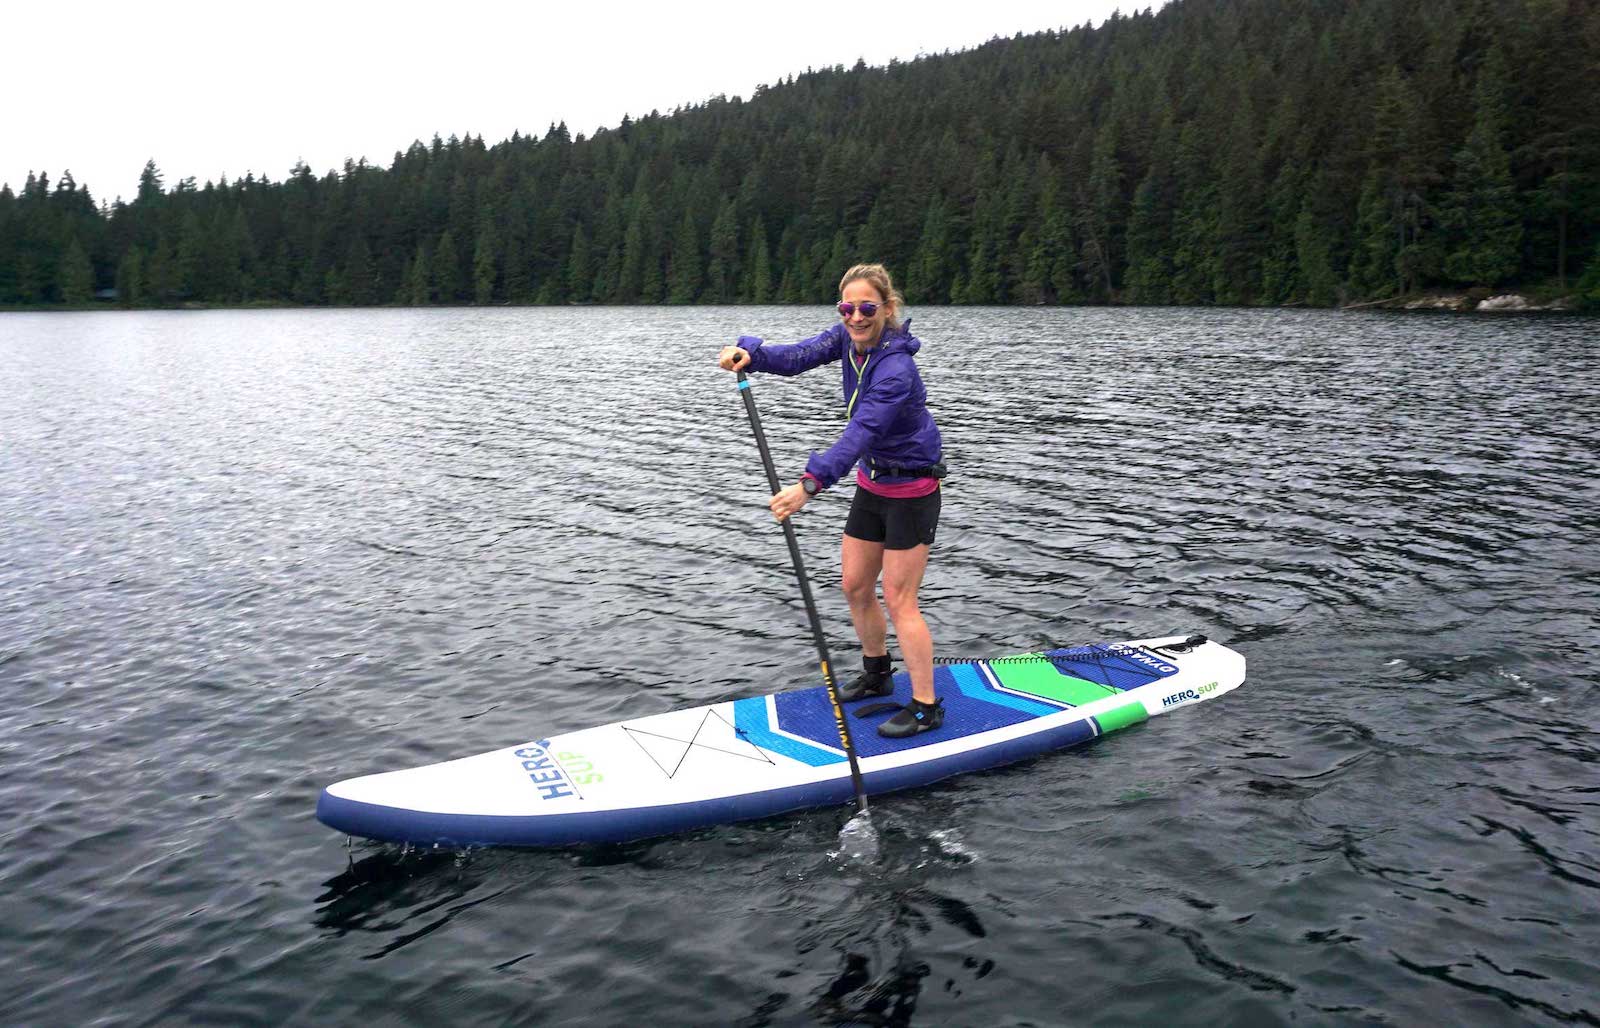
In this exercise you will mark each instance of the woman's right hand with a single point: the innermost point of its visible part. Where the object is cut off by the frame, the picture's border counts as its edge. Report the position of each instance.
(732, 358)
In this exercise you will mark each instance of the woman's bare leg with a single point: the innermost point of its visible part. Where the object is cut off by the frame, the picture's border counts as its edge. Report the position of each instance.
(862, 563)
(902, 577)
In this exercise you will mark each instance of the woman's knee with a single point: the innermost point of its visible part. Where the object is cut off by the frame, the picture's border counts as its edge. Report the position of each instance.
(902, 602)
(859, 589)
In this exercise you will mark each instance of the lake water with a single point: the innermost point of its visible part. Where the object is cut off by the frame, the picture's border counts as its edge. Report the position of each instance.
(247, 554)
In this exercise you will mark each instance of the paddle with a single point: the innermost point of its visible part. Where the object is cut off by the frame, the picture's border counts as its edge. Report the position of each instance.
(805, 593)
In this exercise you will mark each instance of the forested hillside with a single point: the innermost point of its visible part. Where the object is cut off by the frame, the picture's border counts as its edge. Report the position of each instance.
(1214, 152)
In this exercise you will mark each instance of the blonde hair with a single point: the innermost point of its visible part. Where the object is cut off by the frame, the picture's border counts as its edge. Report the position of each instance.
(877, 276)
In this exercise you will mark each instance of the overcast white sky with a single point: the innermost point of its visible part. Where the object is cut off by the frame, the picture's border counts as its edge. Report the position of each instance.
(207, 89)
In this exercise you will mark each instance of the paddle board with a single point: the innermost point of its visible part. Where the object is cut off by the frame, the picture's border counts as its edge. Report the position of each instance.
(765, 755)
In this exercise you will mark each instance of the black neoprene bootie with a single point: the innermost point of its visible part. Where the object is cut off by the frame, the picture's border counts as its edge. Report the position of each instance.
(914, 717)
(876, 679)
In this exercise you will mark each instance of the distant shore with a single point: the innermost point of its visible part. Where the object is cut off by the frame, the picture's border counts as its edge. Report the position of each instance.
(1484, 301)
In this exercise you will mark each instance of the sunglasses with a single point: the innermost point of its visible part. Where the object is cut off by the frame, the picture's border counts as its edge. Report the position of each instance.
(867, 307)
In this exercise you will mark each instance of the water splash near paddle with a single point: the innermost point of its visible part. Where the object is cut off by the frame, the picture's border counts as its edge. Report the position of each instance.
(858, 841)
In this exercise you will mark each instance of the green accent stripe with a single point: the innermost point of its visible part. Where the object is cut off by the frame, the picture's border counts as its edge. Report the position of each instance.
(1123, 716)
(1042, 678)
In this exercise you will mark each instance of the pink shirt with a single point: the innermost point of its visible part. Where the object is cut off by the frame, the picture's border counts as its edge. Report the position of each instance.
(897, 490)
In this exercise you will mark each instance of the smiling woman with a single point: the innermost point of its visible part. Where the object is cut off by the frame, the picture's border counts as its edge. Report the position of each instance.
(895, 444)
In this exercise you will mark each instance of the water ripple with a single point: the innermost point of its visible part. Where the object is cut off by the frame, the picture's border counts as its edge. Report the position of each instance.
(249, 553)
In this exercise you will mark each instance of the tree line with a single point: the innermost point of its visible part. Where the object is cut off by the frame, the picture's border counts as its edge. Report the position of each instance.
(1213, 152)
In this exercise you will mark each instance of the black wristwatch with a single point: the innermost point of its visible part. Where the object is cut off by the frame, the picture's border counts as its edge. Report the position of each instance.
(810, 485)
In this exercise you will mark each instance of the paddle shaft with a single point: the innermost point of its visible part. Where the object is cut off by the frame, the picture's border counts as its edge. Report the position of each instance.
(805, 594)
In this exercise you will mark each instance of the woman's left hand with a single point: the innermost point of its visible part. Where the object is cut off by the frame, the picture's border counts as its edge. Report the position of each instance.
(788, 501)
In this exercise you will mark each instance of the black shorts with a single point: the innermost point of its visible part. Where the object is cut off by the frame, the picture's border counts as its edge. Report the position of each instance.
(899, 523)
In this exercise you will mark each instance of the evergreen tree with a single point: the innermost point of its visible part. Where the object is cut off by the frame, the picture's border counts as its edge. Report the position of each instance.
(758, 287)
(150, 185)
(335, 290)
(982, 281)
(1401, 178)
(1281, 280)
(684, 277)
(652, 281)
(840, 260)
(402, 292)
(360, 278)
(1241, 228)
(448, 285)
(130, 278)
(1194, 223)
(243, 246)
(223, 258)
(1019, 225)
(608, 275)
(1149, 276)
(311, 281)
(1099, 214)
(280, 280)
(1046, 276)
(928, 278)
(485, 264)
(421, 289)
(724, 265)
(162, 279)
(1589, 282)
(1318, 283)
(1481, 215)
(518, 280)
(75, 281)
(193, 275)
(635, 251)
(1374, 268)
(580, 267)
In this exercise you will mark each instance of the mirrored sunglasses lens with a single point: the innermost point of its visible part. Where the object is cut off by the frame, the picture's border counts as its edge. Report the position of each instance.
(846, 309)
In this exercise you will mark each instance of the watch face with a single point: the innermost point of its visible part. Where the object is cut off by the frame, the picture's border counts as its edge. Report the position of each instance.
(809, 485)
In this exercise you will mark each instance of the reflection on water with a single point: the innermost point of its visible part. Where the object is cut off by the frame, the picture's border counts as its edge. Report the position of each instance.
(245, 554)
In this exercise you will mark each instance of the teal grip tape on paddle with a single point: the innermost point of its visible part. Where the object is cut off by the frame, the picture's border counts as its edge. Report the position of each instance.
(745, 384)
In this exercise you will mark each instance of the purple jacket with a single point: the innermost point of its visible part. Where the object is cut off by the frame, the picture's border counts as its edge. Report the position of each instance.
(889, 427)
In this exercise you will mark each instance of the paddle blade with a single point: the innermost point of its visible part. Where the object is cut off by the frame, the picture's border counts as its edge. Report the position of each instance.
(858, 840)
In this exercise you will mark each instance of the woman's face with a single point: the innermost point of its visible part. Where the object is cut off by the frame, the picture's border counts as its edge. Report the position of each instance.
(864, 331)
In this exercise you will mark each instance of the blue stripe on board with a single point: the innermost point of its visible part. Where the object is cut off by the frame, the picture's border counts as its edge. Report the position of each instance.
(750, 718)
(971, 682)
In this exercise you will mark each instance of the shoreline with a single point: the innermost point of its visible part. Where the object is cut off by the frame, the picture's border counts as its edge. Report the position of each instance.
(1478, 301)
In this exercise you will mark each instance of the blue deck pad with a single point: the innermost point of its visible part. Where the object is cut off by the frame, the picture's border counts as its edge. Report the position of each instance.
(753, 722)
(968, 710)
(1097, 663)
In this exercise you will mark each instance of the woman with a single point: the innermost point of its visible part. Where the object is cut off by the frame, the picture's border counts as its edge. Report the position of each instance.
(896, 507)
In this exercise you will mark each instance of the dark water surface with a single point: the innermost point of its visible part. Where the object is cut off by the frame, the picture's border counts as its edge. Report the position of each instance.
(246, 554)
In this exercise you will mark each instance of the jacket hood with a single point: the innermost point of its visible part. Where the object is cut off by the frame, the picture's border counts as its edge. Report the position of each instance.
(897, 340)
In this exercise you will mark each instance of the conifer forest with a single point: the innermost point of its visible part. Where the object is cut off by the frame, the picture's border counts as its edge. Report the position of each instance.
(1231, 152)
